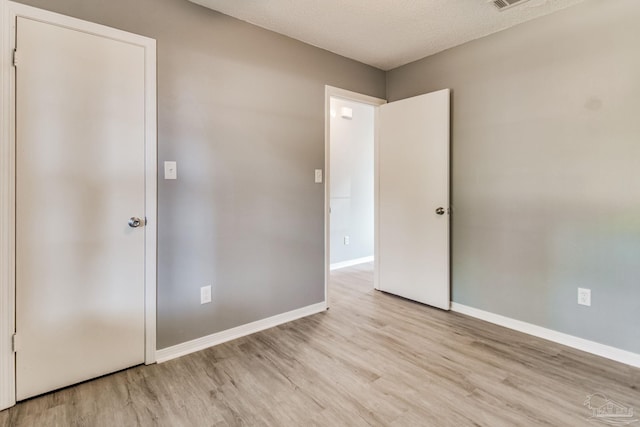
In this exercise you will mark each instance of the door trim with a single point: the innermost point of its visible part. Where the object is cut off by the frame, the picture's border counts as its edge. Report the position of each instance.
(9, 11)
(334, 92)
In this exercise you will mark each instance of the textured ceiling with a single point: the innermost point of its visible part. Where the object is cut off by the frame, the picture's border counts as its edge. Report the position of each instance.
(383, 33)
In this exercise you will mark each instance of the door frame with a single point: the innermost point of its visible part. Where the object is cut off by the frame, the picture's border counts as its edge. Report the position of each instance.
(334, 92)
(9, 11)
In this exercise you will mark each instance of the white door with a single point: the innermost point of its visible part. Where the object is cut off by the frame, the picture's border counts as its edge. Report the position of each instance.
(80, 159)
(413, 201)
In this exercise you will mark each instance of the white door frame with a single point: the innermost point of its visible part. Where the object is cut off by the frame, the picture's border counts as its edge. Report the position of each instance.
(9, 11)
(334, 92)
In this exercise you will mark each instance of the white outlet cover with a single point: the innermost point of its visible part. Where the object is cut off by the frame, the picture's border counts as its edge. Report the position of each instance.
(205, 294)
(584, 296)
(318, 176)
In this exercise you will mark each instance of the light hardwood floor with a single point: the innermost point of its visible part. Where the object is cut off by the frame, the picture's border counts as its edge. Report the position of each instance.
(371, 360)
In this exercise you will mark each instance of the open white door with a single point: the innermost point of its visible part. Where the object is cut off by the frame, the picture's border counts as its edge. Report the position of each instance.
(80, 162)
(413, 201)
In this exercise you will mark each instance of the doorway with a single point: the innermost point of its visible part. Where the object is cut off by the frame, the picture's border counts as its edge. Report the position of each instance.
(351, 186)
(411, 192)
(79, 218)
(350, 179)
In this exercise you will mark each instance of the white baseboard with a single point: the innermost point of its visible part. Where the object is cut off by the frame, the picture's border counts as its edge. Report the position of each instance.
(350, 263)
(198, 344)
(592, 347)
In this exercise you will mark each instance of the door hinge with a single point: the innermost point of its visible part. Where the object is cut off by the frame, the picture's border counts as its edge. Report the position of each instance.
(15, 343)
(15, 57)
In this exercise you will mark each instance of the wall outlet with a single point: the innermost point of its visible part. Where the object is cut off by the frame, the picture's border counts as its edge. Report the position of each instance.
(346, 240)
(205, 294)
(584, 296)
(318, 176)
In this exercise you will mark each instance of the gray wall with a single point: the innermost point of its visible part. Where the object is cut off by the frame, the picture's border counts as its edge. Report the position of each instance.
(241, 110)
(545, 164)
(351, 181)
(546, 168)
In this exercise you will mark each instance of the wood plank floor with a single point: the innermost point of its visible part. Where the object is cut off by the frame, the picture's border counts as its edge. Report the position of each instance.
(371, 360)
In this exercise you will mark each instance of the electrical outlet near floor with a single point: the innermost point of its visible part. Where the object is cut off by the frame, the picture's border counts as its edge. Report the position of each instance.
(584, 296)
(346, 240)
(205, 294)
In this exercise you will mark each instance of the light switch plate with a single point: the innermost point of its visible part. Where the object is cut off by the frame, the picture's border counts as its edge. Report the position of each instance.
(170, 170)
(318, 176)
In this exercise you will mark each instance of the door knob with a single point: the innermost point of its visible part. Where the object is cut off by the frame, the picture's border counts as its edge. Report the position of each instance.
(135, 222)
(440, 211)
